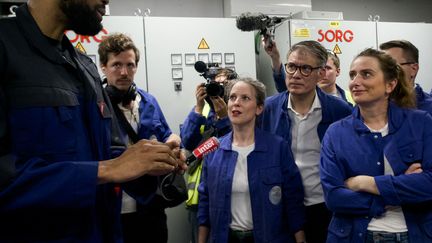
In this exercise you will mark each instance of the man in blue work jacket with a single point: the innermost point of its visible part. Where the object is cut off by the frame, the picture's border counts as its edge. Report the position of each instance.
(301, 116)
(407, 56)
(58, 183)
(140, 111)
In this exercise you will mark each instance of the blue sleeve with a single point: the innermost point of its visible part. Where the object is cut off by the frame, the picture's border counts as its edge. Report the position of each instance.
(190, 130)
(223, 126)
(293, 190)
(412, 188)
(39, 184)
(279, 79)
(340, 199)
(203, 204)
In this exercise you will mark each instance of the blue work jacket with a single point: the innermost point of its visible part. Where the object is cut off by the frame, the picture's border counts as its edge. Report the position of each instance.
(152, 122)
(279, 79)
(349, 149)
(275, 117)
(151, 119)
(190, 130)
(424, 100)
(55, 127)
(271, 168)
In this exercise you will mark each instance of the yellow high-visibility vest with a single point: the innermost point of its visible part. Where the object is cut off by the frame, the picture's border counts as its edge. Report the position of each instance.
(192, 184)
(194, 178)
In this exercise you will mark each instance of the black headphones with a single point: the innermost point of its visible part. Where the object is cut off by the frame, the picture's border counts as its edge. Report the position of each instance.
(116, 96)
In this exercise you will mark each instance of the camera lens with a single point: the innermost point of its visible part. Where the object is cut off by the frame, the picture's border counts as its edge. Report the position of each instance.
(214, 89)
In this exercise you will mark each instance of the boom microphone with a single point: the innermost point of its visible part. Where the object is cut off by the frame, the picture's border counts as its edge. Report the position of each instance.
(206, 147)
(200, 66)
(253, 21)
(258, 21)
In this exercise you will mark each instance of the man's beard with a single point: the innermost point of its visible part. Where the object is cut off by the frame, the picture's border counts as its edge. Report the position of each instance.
(81, 18)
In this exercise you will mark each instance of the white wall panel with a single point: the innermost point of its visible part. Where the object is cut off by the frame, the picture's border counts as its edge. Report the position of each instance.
(131, 25)
(166, 36)
(346, 37)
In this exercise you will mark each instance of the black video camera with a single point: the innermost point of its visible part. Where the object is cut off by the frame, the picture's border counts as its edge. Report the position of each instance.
(209, 72)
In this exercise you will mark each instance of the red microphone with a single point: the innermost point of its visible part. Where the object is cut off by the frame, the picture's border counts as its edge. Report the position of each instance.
(206, 147)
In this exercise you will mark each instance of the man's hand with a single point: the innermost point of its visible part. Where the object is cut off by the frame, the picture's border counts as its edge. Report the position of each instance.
(174, 142)
(147, 157)
(273, 52)
(200, 94)
(220, 107)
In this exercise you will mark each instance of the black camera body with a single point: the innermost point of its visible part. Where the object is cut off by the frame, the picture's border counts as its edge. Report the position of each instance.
(209, 72)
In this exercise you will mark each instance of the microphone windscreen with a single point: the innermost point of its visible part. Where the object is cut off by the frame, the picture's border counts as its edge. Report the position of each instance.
(252, 21)
(200, 66)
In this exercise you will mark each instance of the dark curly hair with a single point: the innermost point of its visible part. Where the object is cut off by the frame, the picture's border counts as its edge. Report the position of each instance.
(116, 43)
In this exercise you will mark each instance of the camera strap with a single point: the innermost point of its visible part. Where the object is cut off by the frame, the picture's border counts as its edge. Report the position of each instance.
(125, 124)
(171, 187)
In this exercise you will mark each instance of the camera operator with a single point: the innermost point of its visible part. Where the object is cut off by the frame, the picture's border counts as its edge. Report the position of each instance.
(208, 118)
(210, 112)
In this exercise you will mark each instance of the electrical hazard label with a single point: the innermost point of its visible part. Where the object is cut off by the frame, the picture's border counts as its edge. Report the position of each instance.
(302, 32)
(337, 50)
(80, 47)
(203, 44)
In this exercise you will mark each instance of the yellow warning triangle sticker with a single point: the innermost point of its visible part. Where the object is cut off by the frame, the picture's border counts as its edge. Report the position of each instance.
(203, 44)
(337, 50)
(80, 47)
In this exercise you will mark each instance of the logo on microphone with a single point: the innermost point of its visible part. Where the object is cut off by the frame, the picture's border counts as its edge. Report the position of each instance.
(209, 146)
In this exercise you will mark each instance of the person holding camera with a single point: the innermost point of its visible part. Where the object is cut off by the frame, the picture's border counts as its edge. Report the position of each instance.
(208, 118)
(139, 117)
(210, 110)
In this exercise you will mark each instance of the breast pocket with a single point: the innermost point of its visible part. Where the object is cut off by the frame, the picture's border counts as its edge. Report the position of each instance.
(411, 152)
(271, 178)
(44, 132)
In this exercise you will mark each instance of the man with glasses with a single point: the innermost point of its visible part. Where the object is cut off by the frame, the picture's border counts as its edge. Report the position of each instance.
(301, 115)
(327, 84)
(407, 55)
(142, 119)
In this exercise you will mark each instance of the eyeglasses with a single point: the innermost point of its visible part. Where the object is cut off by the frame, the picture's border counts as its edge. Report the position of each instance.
(407, 63)
(305, 70)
